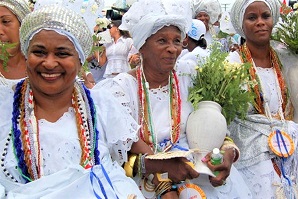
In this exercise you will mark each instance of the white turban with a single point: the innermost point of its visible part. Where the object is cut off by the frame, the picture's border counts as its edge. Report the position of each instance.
(72, 18)
(211, 7)
(19, 7)
(239, 7)
(146, 17)
(62, 20)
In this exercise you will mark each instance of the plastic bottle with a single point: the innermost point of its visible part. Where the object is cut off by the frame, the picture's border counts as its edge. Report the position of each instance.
(216, 158)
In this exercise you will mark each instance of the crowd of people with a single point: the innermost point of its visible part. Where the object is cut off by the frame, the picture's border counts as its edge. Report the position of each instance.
(123, 134)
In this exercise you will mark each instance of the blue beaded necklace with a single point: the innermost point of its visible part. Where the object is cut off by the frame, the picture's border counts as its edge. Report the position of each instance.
(19, 106)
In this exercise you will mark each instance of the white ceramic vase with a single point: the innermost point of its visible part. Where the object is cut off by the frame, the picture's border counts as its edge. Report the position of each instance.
(206, 129)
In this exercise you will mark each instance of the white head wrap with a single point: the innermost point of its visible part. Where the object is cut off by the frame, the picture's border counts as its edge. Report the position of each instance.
(211, 7)
(226, 24)
(61, 20)
(146, 17)
(198, 29)
(19, 7)
(240, 6)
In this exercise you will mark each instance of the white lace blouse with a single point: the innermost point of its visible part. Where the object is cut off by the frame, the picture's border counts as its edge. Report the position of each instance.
(125, 88)
(118, 54)
(59, 140)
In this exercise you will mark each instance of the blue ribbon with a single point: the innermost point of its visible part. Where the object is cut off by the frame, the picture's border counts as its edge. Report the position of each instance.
(93, 175)
(278, 134)
(180, 148)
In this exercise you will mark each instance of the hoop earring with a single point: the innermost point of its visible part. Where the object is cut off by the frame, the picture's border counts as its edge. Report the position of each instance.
(184, 46)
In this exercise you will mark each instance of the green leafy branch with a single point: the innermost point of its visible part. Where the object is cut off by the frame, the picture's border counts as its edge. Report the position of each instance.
(287, 31)
(4, 54)
(223, 82)
(95, 48)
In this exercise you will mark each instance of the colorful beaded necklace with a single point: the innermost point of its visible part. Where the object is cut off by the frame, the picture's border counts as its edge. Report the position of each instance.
(259, 101)
(147, 131)
(25, 131)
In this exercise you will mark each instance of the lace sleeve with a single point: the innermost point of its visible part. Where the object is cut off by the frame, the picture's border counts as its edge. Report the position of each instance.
(120, 127)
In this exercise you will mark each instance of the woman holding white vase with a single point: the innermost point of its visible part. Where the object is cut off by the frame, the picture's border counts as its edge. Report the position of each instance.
(156, 95)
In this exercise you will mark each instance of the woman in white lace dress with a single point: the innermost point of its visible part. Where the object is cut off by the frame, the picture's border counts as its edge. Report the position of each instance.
(156, 96)
(58, 140)
(268, 137)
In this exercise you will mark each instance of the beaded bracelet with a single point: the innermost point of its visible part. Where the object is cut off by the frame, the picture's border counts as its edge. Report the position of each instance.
(173, 188)
(228, 139)
(143, 166)
(229, 145)
(139, 166)
(162, 187)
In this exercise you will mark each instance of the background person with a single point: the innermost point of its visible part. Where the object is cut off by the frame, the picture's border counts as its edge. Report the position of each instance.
(97, 62)
(119, 51)
(195, 44)
(209, 12)
(12, 12)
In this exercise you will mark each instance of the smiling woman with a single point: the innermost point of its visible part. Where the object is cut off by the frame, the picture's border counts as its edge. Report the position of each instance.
(53, 63)
(58, 135)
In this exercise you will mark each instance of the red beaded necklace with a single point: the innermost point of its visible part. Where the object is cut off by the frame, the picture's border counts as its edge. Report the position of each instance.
(30, 132)
(286, 105)
(147, 131)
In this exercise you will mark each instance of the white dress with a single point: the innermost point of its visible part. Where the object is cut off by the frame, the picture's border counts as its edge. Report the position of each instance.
(197, 57)
(251, 136)
(61, 153)
(6, 98)
(118, 54)
(125, 88)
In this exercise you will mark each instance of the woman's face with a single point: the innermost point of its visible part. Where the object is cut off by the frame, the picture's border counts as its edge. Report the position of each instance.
(204, 17)
(257, 23)
(9, 28)
(161, 50)
(113, 30)
(52, 63)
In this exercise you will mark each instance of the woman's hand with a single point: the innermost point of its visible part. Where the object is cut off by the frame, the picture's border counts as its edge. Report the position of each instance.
(134, 59)
(224, 168)
(177, 168)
